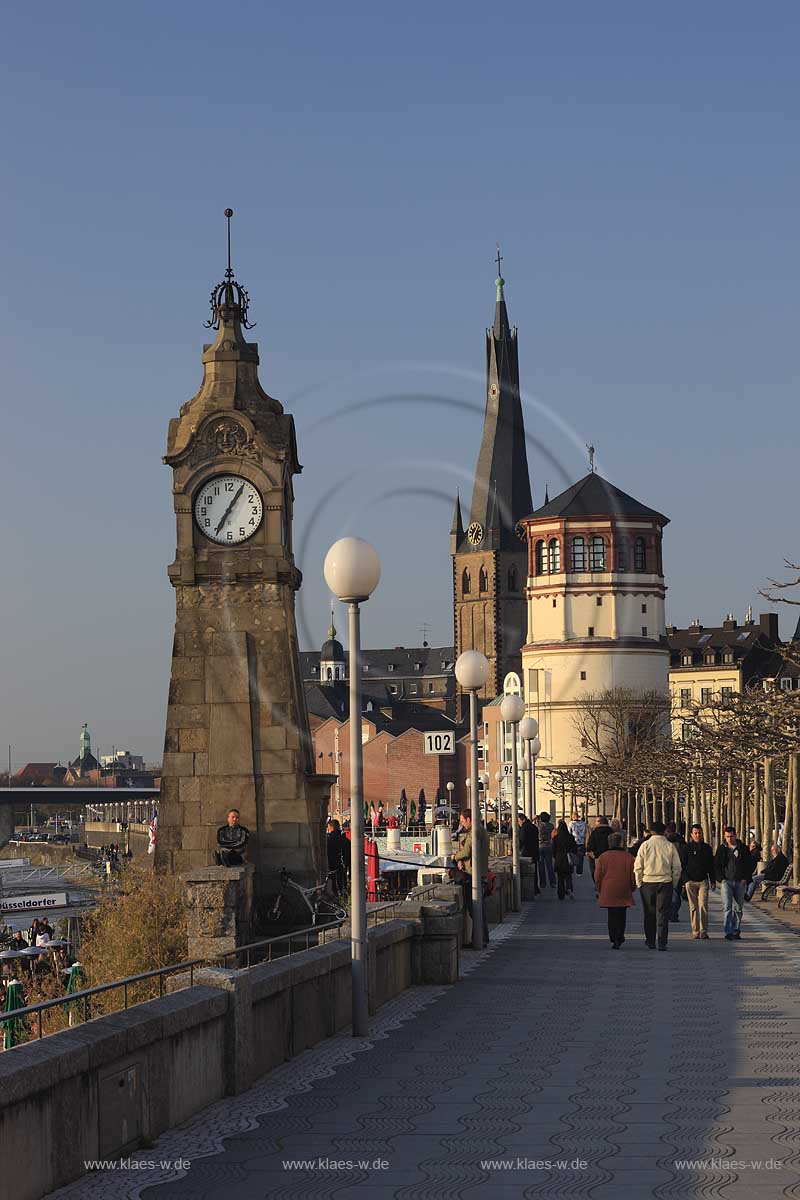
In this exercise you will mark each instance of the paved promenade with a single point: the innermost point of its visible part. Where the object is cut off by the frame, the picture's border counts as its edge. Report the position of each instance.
(610, 1066)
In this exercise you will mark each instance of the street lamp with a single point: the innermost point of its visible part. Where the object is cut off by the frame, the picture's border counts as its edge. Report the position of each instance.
(472, 671)
(512, 710)
(352, 571)
(528, 729)
(498, 778)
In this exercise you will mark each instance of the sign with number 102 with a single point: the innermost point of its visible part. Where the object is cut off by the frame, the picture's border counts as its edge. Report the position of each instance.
(439, 743)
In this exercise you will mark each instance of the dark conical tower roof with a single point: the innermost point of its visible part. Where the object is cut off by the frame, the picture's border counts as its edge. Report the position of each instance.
(502, 491)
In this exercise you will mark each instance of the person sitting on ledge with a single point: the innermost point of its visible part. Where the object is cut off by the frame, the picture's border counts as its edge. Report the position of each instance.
(231, 839)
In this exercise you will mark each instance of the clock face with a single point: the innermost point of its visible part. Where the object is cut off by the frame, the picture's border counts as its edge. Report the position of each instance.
(475, 533)
(228, 509)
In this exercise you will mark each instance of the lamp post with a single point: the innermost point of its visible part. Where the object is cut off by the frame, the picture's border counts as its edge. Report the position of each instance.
(484, 782)
(512, 710)
(528, 729)
(352, 571)
(472, 671)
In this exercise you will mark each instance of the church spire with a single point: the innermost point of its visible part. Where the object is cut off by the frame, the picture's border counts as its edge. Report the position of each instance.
(502, 481)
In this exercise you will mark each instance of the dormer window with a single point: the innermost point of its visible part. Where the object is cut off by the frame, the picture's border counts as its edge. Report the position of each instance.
(727, 656)
(390, 666)
(417, 666)
(686, 660)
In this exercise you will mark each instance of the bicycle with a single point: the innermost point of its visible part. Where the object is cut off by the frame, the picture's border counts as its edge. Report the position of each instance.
(323, 907)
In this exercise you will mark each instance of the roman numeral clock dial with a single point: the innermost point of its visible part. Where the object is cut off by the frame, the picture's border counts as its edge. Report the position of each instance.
(228, 509)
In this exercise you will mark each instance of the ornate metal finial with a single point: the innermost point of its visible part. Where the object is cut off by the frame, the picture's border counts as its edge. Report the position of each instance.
(498, 260)
(229, 293)
(591, 457)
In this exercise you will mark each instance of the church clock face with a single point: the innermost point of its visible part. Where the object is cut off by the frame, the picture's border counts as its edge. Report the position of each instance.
(475, 533)
(228, 509)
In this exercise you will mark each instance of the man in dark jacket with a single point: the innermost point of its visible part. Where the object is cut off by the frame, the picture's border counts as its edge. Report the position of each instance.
(545, 829)
(734, 866)
(772, 873)
(677, 893)
(529, 846)
(338, 854)
(598, 841)
(698, 870)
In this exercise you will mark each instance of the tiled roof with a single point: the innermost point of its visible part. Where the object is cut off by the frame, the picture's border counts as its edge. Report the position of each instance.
(595, 496)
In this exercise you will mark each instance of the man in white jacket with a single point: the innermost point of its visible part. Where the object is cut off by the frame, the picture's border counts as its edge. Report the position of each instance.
(658, 871)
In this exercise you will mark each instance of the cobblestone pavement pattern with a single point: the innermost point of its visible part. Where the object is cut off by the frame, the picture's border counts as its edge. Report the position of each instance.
(611, 1065)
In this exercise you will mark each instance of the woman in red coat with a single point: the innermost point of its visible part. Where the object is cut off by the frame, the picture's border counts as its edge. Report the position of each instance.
(615, 884)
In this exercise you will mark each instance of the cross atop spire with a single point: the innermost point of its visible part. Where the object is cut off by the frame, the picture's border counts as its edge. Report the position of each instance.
(499, 259)
(228, 215)
(590, 450)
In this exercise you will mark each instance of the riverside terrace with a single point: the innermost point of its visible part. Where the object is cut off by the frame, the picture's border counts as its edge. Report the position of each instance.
(15, 802)
(554, 1068)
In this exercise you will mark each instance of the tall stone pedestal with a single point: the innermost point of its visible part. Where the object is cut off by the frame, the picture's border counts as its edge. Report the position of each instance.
(219, 905)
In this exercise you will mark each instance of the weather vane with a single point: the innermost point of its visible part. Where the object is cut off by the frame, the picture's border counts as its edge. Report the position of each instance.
(591, 457)
(229, 293)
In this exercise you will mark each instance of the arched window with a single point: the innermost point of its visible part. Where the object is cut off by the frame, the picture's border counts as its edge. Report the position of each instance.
(597, 554)
(330, 673)
(639, 555)
(483, 580)
(466, 585)
(512, 578)
(541, 567)
(622, 554)
(554, 556)
(578, 554)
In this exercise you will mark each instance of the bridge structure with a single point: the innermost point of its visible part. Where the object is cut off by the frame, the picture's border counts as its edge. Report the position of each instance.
(109, 804)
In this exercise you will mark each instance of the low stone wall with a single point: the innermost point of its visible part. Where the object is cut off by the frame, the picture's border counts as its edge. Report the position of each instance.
(96, 1091)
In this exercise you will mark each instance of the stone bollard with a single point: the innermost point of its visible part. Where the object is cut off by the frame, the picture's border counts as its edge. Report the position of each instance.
(219, 902)
(528, 874)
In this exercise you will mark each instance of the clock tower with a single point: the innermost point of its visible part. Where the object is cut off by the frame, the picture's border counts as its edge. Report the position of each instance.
(237, 732)
(489, 554)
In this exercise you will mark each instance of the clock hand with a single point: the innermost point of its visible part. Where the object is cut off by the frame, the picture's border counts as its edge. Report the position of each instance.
(227, 512)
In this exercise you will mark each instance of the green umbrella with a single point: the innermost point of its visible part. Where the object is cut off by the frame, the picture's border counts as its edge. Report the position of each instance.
(75, 983)
(15, 1030)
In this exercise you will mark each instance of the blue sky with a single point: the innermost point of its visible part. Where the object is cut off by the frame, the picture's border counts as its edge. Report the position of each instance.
(640, 169)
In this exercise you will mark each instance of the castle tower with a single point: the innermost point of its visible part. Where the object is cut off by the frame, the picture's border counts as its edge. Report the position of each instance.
(237, 732)
(489, 557)
(332, 662)
(595, 607)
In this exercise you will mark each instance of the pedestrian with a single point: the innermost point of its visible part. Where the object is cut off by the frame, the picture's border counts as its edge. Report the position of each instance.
(547, 875)
(529, 846)
(658, 870)
(734, 868)
(18, 941)
(773, 871)
(34, 931)
(577, 828)
(615, 883)
(338, 847)
(564, 846)
(463, 858)
(699, 875)
(616, 826)
(677, 840)
(598, 841)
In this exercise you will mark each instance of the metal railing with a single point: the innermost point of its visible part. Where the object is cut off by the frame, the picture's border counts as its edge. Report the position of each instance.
(263, 948)
(379, 912)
